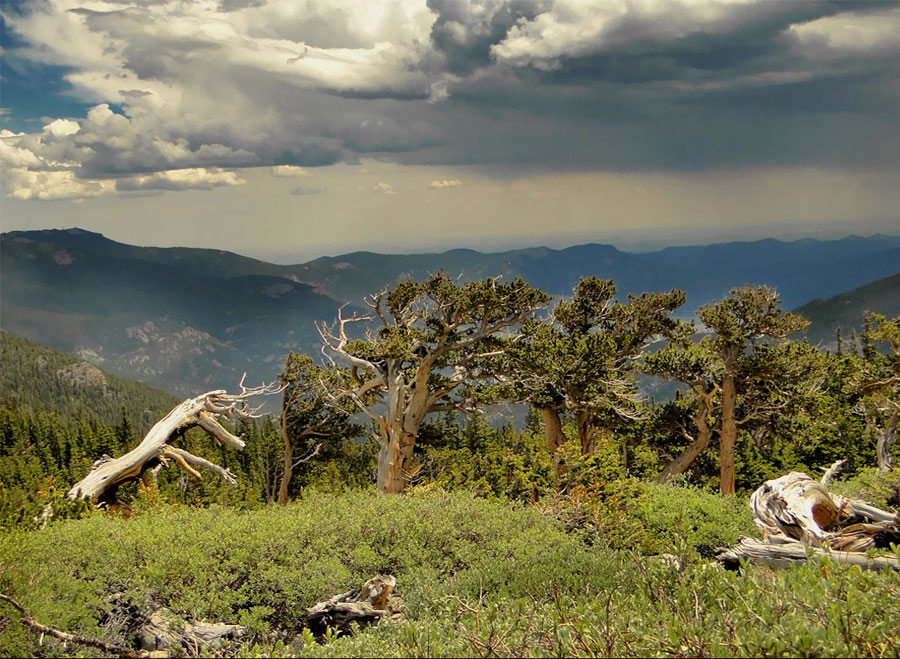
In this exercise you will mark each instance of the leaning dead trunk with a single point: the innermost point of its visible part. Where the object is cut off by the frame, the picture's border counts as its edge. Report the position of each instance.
(204, 411)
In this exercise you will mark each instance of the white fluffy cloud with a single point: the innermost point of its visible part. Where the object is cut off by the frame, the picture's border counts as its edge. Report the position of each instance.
(294, 84)
(195, 178)
(288, 170)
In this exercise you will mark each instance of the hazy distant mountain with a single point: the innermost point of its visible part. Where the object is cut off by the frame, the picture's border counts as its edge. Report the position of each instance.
(186, 319)
(801, 270)
(162, 322)
(846, 310)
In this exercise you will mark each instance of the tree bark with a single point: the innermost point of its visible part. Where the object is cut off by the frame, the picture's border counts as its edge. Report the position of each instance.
(698, 443)
(585, 432)
(288, 460)
(553, 429)
(555, 438)
(395, 460)
(886, 440)
(728, 432)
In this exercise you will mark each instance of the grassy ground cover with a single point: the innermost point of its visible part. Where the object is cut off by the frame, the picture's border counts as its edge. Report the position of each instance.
(477, 577)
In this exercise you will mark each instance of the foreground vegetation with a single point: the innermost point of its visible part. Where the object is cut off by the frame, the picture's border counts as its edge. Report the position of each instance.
(589, 531)
(477, 578)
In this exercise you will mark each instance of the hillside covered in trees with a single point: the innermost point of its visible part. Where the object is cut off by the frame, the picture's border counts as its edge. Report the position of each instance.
(587, 532)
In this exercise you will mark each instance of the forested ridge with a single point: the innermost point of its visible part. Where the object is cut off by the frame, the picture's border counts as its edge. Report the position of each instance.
(507, 541)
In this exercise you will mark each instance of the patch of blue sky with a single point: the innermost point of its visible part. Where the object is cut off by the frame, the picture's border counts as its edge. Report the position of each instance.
(30, 90)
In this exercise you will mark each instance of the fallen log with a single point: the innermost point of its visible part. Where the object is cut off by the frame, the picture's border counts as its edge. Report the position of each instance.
(797, 507)
(788, 553)
(799, 518)
(162, 631)
(364, 607)
(204, 411)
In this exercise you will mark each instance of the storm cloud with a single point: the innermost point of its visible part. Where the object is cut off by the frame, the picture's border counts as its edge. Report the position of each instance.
(518, 85)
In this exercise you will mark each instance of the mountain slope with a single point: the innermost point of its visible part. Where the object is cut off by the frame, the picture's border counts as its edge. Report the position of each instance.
(846, 310)
(38, 378)
(187, 319)
(174, 328)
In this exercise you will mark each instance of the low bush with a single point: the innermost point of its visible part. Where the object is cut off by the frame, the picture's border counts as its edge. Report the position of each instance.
(478, 578)
(653, 518)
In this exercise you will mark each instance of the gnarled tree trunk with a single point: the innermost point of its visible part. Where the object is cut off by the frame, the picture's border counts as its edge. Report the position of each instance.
(698, 443)
(395, 460)
(204, 411)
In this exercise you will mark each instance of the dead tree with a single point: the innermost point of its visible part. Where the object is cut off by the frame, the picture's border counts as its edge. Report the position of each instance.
(368, 605)
(205, 411)
(795, 512)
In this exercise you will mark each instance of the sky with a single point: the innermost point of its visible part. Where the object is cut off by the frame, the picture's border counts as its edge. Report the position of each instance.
(292, 129)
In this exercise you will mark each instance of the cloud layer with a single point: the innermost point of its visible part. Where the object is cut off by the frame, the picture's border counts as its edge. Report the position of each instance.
(209, 86)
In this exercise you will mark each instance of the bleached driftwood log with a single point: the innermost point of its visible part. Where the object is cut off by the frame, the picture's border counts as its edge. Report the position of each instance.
(368, 605)
(155, 450)
(795, 512)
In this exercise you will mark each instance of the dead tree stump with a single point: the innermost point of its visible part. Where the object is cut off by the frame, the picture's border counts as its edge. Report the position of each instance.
(796, 512)
(364, 607)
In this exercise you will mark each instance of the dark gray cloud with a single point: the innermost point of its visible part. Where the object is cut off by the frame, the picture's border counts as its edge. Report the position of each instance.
(515, 84)
(464, 30)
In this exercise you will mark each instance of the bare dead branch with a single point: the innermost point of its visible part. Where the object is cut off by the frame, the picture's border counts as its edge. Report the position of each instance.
(831, 471)
(182, 455)
(112, 648)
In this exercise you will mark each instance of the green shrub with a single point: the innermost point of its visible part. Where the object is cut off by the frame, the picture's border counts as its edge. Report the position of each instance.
(478, 578)
(880, 488)
(653, 518)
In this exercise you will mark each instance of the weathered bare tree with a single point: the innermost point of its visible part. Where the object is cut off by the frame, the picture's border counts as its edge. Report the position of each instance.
(433, 341)
(795, 512)
(156, 450)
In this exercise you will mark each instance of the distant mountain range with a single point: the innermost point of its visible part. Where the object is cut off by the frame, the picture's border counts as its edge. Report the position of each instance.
(186, 319)
(845, 311)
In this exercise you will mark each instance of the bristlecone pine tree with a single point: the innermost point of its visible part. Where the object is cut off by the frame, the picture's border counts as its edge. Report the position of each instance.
(433, 349)
(743, 355)
(581, 360)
